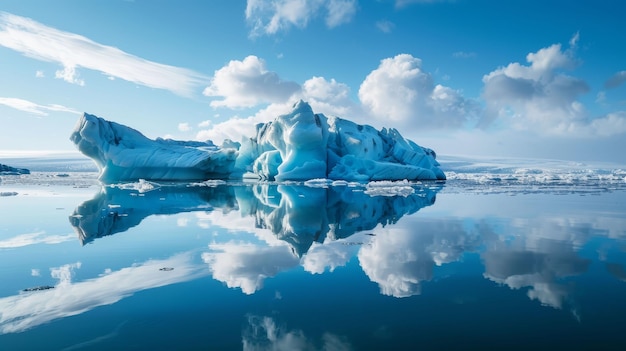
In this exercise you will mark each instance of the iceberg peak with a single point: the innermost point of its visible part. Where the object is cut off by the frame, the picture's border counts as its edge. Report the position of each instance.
(299, 145)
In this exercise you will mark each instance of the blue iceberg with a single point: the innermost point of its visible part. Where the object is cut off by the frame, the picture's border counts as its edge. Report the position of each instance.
(300, 145)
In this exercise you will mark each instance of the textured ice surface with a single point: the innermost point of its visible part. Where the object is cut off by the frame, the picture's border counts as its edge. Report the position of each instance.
(300, 145)
(304, 145)
(122, 153)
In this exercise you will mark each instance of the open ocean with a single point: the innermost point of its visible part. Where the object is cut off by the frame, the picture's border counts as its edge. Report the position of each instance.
(506, 254)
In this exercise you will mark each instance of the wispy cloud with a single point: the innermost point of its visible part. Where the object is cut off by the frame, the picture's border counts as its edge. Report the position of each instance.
(271, 17)
(73, 51)
(385, 26)
(463, 54)
(37, 109)
(616, 80)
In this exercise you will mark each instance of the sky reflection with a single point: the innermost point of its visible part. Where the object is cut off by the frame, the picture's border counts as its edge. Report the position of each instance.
(400, 243)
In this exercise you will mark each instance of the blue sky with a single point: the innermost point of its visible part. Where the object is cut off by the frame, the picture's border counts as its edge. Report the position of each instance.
(543, 79)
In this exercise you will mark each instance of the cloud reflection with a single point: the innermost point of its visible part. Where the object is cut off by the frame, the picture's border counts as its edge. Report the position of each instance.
(27, 310)
(264, 333)
(39, 237)
(400, 258)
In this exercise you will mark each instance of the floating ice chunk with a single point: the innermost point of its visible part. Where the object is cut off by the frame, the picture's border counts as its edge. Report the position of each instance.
(389, 188)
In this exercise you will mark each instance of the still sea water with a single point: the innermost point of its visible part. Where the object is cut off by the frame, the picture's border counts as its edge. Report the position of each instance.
(481, 262)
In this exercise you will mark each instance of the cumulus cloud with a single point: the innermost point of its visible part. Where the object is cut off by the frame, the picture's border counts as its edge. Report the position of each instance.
(237, 127)
(248, 83)
(31, 107)
(325, 96)
(184, 127)
(329, 97)
(541, 98)
(74, 51)
(616, 80)
(273, 16)
(401, 92)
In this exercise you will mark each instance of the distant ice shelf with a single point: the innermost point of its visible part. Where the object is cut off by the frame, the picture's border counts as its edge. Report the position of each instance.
(300, 145)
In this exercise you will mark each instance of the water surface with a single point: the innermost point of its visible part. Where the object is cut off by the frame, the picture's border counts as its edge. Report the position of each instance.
(231, 266)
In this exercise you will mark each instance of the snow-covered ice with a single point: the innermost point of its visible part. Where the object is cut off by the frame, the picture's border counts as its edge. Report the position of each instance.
(300, 145)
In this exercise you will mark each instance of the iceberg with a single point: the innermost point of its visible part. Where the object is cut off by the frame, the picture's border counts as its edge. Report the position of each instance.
(297, 146)
(124, 154)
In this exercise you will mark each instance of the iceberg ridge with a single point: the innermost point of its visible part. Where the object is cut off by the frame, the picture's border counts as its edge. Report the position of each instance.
(300, 146)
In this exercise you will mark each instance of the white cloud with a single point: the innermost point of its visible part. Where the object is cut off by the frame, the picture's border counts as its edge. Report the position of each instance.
(237, 127)
(325, 96)
(248, 83)
(273, 16)
(329, 97)
(540, 98)
(74, 51)
(31, 107)
(616, 80)
(39, 74)
(184, 127)
(400, 92)
(610, 124)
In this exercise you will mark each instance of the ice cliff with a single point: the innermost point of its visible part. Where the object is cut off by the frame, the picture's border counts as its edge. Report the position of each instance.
(300, 145)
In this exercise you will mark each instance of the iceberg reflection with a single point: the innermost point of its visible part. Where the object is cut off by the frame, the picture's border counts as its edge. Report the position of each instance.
(298, 215)
(115, 209)
(322, 227)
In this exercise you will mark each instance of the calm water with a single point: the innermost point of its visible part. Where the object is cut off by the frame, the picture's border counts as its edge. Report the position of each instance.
(290, 267)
